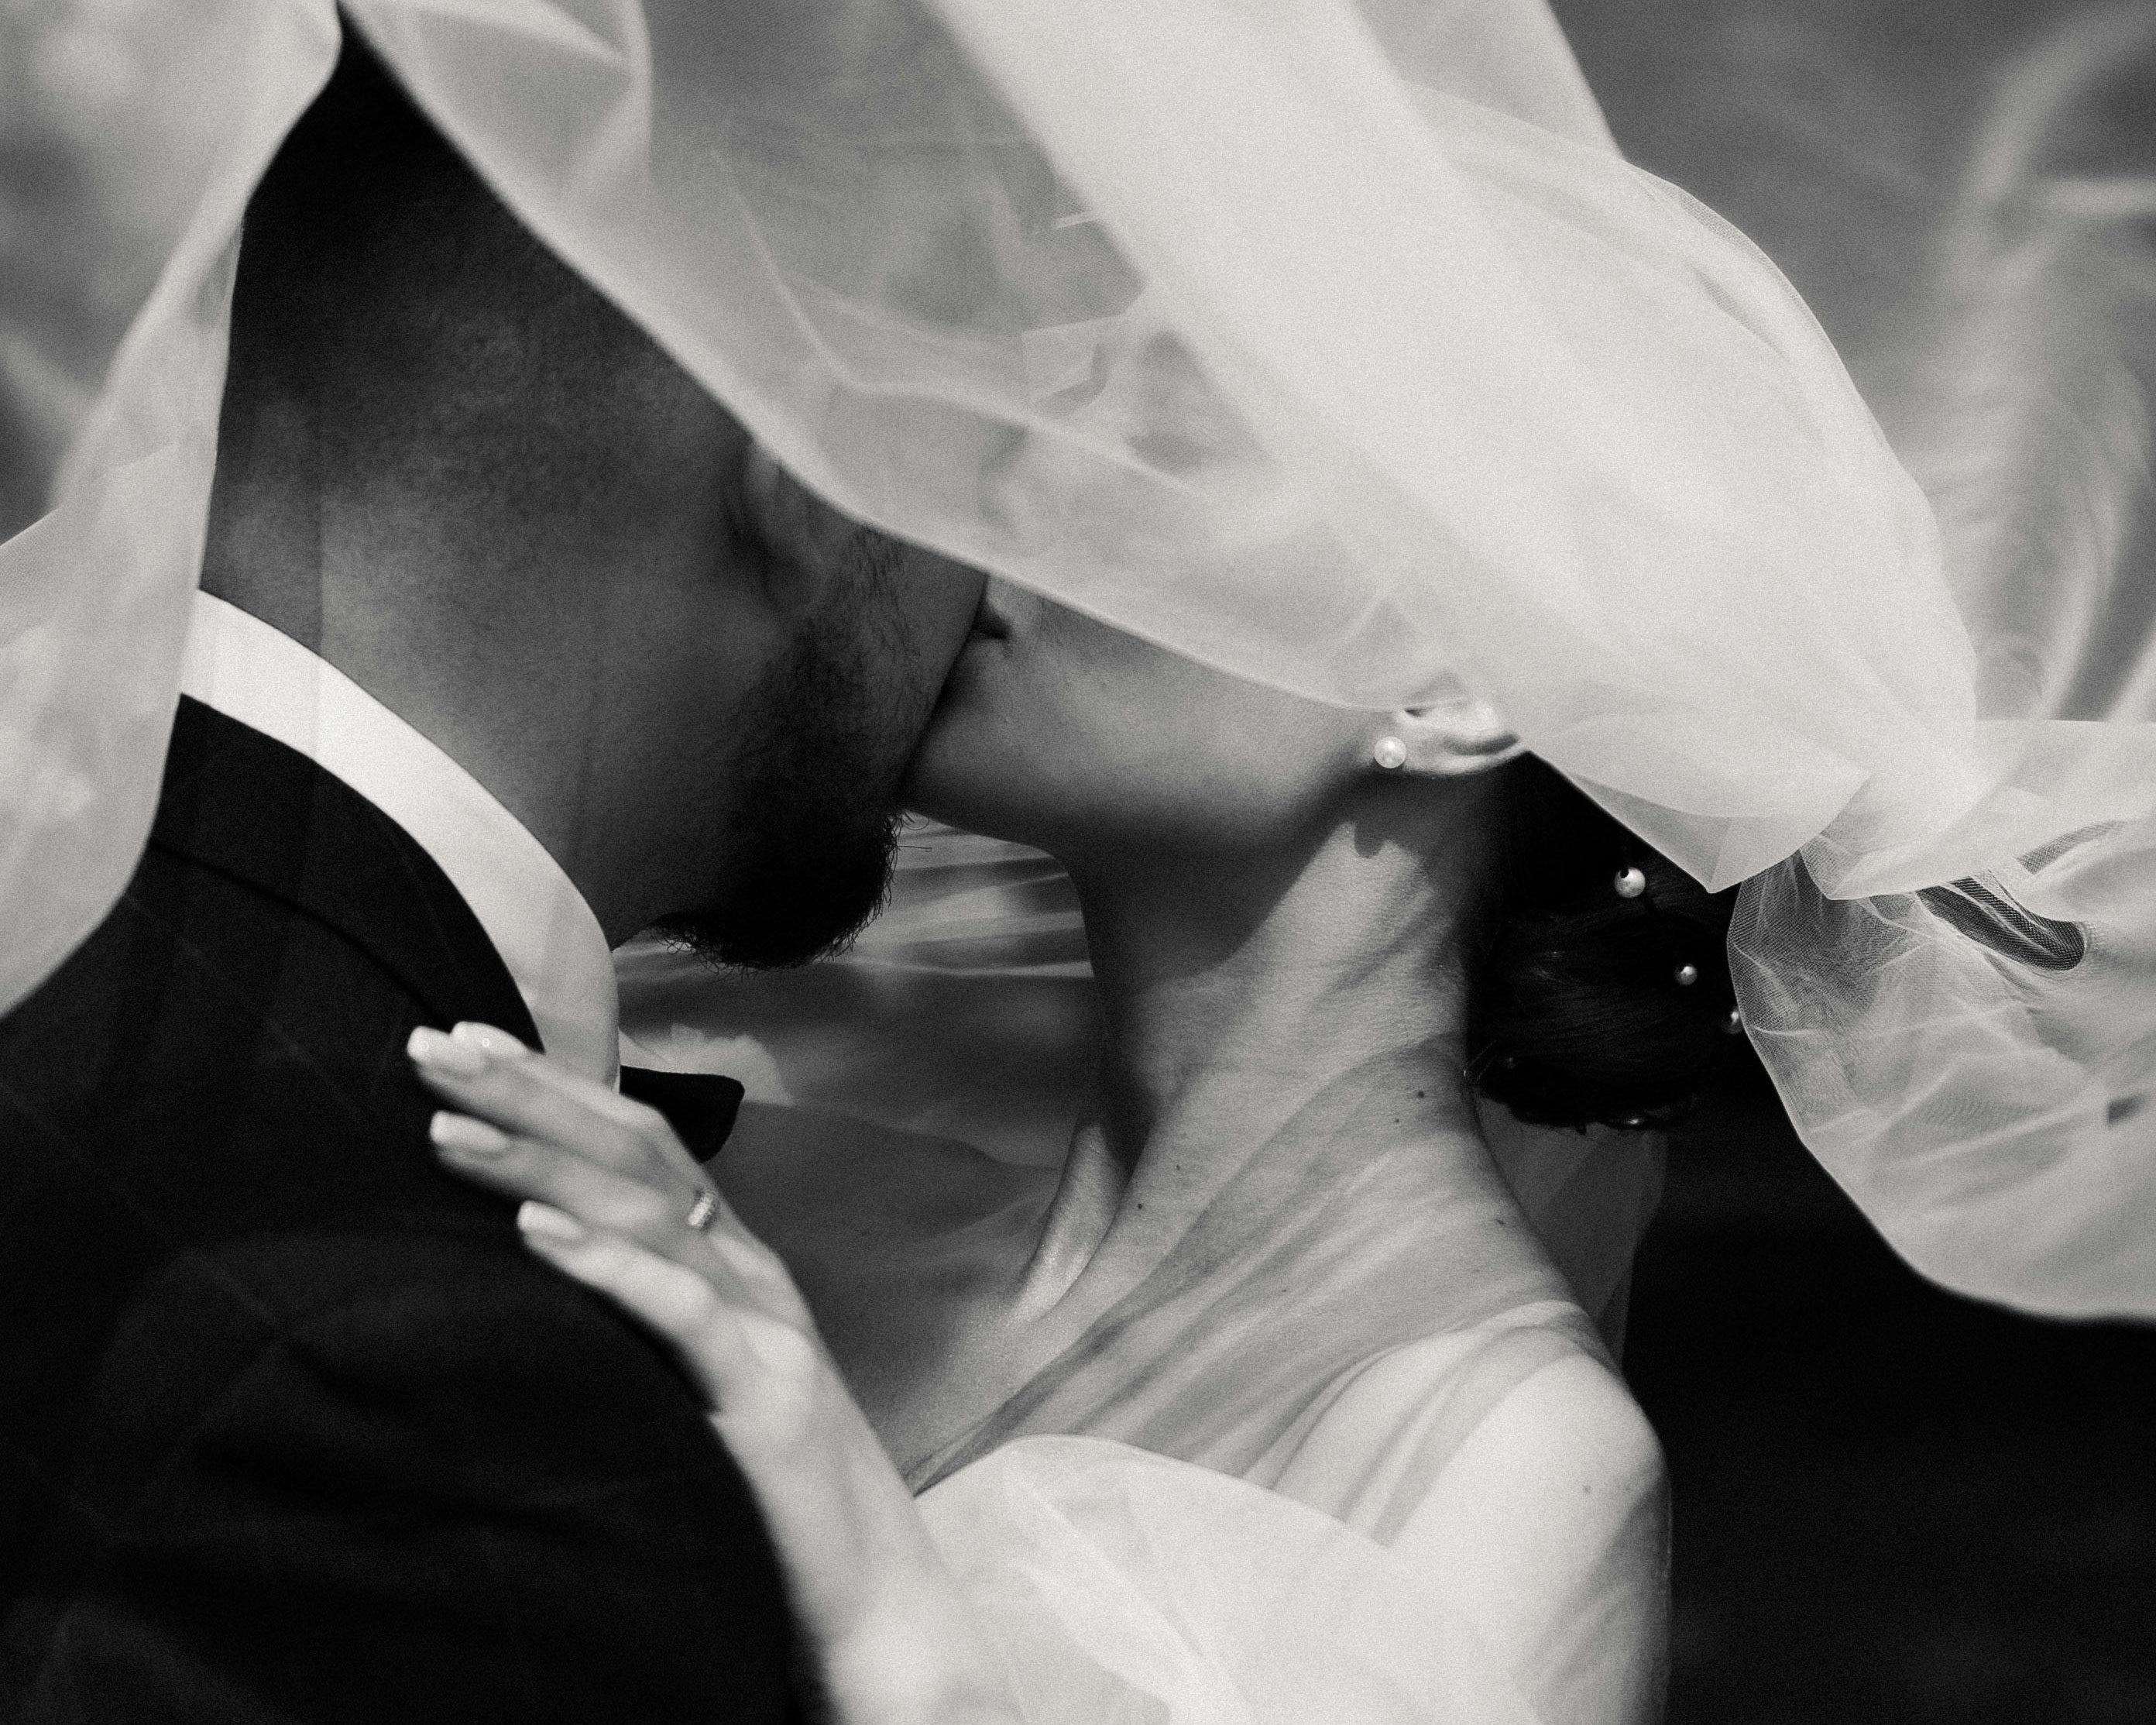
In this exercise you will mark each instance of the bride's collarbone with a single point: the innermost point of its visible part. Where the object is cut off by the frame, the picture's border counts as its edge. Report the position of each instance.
(1255, 1318)
(914, 1252)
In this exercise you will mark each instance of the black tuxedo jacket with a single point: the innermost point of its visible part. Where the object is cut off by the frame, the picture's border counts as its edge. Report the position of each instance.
(291, 1428)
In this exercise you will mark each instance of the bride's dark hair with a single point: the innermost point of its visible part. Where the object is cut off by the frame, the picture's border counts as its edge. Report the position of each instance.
(1576, 1012)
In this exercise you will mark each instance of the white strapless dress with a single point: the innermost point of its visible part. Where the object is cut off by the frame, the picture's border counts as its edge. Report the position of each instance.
(1123, 1587)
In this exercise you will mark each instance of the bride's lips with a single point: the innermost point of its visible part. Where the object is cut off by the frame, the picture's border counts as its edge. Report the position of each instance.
(990, 624)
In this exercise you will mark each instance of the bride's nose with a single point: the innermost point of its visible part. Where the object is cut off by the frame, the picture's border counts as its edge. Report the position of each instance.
(1005, 609)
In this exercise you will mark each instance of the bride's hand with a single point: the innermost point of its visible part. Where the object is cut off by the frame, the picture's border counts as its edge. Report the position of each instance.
(616, 1202)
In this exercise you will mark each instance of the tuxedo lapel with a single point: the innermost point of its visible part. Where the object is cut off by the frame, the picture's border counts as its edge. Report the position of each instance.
(244, 804)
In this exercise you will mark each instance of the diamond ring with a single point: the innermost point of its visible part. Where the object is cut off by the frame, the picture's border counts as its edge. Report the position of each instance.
(701, 1213)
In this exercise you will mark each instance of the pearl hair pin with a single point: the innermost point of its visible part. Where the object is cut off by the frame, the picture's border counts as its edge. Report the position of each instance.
(1687, 974)
(1390, 753)
(1733, 1024)
(1631, 882)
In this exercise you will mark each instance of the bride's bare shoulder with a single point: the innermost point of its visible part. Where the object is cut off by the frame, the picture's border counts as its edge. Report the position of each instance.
(1565, 1452)
(1551, 1515)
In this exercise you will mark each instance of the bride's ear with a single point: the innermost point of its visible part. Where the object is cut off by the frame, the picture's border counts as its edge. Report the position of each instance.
(1451, 739)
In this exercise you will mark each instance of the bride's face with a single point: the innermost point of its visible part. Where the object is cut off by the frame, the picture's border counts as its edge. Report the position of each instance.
(1064, 733)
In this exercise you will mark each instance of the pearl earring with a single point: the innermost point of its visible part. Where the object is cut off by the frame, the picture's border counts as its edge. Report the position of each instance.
(1390, 753)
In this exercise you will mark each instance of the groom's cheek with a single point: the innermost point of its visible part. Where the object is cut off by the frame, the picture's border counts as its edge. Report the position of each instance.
(935, 599)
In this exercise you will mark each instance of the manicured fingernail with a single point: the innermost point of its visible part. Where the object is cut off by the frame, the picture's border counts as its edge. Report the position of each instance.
(445, 1054)
(498, 1044)
(460, 1132)
(548, 1223)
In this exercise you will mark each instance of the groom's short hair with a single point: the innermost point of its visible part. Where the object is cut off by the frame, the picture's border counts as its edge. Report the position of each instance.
(361, 176)
(371, 243)
(375, 263)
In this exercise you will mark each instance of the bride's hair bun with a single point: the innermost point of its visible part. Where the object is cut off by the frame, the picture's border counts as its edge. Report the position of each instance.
(1599, 987)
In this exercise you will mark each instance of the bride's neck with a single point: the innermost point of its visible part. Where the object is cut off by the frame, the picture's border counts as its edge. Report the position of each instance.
(1259, 1008)
(1234, 989)
(1268, 1016)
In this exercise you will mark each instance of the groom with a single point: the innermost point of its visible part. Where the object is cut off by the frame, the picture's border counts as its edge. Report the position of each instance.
(511, 645)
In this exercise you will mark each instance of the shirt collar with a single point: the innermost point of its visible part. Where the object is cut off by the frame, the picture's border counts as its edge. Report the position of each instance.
(547, 935)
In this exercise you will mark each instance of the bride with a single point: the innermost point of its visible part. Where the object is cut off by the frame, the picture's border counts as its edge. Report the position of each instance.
(1278, 1254)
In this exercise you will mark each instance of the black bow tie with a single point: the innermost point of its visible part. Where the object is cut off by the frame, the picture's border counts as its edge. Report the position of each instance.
(700, 1106)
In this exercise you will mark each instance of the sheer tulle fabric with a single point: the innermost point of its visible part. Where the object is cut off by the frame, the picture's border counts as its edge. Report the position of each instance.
(1332, 344)
(1972, 1063)
(1126, 1589)
(1283, 1589)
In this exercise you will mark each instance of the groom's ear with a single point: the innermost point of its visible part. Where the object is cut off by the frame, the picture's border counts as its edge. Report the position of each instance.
(1453, 738)
(794, 548)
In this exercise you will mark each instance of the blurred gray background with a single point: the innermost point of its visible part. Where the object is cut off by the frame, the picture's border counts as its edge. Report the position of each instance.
(1890, 1505)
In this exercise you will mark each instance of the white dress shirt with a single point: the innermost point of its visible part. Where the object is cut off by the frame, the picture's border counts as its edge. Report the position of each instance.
(539, 923)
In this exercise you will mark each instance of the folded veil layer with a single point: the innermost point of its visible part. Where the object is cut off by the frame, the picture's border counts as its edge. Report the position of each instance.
(1334, 345)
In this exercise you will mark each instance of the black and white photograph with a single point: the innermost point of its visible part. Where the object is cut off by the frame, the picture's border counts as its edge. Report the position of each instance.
(1077, 862)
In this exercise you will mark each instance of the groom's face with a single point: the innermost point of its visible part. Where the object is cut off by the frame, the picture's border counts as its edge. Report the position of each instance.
(825, 732)
(494, 499)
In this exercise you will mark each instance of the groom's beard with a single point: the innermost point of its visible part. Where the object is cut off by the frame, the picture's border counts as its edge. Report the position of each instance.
(815, 818)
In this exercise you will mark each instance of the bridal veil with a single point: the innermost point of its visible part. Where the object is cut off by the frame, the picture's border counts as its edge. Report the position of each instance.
(1335, 345)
